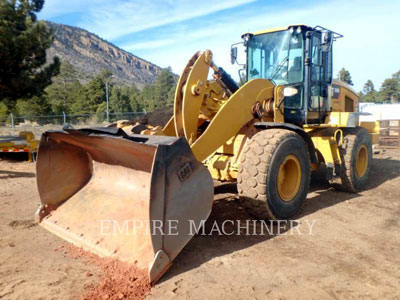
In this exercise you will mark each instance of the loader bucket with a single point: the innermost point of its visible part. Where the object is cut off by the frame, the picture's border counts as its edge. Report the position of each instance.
(137, 198)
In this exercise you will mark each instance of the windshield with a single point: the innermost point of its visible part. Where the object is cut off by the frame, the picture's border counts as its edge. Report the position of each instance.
(277, 56)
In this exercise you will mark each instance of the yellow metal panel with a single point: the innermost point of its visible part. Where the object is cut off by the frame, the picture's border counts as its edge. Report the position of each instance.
(265, 31)
(327, 146)
(342, 119)
(346, 94)
(169, 128)
(220, 167)
(28, 135)
(194, 95)
(178, 103)
(232, 150)
(25, 142)
(214, 97)
(233, 115)
(289, 178)
(344, 85)
(223, 164)
(279, 112)
(372, 127)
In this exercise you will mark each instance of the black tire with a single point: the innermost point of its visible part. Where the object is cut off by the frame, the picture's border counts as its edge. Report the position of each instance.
(353, 141)
(258, 174)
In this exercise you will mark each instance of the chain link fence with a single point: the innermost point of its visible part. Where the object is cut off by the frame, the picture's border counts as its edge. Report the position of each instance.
(12, 125)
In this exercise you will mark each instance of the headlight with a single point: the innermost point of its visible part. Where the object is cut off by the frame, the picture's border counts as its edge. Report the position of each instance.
(289, 91)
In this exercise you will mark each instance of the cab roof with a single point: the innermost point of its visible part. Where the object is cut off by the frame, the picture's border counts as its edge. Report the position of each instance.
(278, 29)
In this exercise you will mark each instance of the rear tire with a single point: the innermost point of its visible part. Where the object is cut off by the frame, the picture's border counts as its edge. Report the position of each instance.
(274, 174)
(356, 154)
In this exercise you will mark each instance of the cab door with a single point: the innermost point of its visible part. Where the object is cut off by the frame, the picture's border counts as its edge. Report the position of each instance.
(320, 78)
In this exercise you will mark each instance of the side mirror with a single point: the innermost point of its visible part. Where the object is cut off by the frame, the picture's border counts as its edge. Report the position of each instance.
(233, 55)
(326, 40)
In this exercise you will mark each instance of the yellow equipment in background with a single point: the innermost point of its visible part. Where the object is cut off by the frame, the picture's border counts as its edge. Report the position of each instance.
(288, 118)
(24, 142)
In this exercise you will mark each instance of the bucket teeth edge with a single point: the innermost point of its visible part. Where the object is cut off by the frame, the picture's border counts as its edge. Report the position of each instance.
(159, 266)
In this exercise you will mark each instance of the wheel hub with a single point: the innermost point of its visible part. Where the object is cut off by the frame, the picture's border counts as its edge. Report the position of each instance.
(289, 177)
(361, 161)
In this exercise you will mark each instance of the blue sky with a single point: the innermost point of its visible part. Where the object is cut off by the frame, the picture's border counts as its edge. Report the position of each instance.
(169, 32)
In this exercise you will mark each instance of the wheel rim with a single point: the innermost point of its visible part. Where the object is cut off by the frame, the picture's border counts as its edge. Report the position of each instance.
(289, 178)
(361, 161)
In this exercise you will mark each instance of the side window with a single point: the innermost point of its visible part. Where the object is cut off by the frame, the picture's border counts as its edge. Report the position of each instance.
(319, 77)
(335, 91)
(327, 59)
(270, 57)
(255, 67)
(295, 62)
(316, 59)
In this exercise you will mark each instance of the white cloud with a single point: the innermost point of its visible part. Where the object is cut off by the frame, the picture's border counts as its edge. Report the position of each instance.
(369, 49)
(114, 19)
(168, 32)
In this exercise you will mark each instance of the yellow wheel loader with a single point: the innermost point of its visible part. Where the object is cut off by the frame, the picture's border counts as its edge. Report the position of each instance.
(138, 192)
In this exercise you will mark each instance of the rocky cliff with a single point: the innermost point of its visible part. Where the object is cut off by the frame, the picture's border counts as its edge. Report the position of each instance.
(90, 55)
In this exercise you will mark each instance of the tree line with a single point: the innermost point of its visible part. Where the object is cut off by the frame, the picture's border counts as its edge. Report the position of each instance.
(66, 94)
(389, 92)
(32, 86)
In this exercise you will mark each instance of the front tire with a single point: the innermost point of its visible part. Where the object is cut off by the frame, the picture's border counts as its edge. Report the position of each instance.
(274, 174)
(356, 154)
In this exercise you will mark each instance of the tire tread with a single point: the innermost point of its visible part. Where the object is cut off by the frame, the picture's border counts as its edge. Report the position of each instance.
(255, 161)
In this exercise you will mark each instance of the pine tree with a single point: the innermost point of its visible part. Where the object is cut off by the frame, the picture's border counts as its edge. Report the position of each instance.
(119, 100)
(101, 112)
(33, 107)
(388, 93)
(391, 89)
(3, 112)
(135, 99)
(23, 43)
(165, 81)
(93, 95)
(369, 94)
(396, 75)
(77, 97)
(345, 76)
(368, 87)
(159, 95)
(61, 92)
(148, 96)
(171, 96)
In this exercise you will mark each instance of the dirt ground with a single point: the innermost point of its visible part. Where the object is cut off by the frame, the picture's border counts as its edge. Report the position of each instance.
(353, 252)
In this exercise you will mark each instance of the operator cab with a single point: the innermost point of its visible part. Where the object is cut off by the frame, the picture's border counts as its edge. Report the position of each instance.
(297, 56)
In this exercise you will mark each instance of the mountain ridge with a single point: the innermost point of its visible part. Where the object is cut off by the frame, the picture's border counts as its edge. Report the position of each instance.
(90, 55)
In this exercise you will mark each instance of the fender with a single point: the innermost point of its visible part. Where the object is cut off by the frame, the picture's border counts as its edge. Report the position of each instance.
(291, 127)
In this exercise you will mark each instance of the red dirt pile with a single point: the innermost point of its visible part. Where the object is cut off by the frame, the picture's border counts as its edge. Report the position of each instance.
(119, 280)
